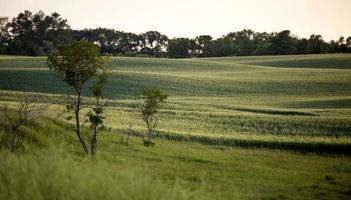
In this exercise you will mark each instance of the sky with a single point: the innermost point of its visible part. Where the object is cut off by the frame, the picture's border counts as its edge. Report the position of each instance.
(189, 18)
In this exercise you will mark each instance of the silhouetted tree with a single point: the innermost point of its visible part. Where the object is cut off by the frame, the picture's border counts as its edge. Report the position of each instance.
(153, 43)
(203, 45)
(301, 46)
(4, 34)
(222, 47)
(178, 48)
(348, 44)
(316, 44)
(282, 43)
(32, 34)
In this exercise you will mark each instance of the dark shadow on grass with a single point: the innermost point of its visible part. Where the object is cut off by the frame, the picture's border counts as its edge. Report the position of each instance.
(331, 103)
(319, 63)
(266, 111)
(196, 160)
(304, 147)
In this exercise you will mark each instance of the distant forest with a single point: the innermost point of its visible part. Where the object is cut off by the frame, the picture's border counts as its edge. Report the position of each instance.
(38, 34)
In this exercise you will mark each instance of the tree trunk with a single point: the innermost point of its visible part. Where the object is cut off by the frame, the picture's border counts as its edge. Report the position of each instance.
(93, 142)
(80, 138)
(13, 141)
(149, 135)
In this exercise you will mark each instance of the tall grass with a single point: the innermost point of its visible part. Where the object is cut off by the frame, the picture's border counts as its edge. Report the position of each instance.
(52, 174)
(169, 170)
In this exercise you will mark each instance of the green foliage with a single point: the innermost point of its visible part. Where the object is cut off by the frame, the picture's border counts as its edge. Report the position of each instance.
(203, 45)
(153, 43)
(33, 34)
(95, 114)
(178, 48)
(153, 101)
(77, 63)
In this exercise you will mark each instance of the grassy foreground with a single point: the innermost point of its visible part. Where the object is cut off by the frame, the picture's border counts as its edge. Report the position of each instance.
(266, 127)
(170, 170)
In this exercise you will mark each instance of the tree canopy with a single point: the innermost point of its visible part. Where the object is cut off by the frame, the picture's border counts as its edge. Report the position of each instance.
(76, 64)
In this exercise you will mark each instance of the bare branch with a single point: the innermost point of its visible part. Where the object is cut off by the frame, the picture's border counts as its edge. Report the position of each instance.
(24, 112)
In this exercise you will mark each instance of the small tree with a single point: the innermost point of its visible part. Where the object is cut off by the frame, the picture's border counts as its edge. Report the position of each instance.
(153, 100)
(19, 116)
(95, 115)
(77, 63)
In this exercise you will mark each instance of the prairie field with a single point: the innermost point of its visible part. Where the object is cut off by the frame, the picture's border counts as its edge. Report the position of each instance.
(256, 127)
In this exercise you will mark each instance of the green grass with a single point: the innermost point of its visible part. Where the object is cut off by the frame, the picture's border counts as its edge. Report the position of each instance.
(260, 127)
(213, 96)
(170, 170)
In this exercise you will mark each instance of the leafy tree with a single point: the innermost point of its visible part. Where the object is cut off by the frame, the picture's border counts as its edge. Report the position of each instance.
(301, 46)
(95, 115)
(333, 46)
(178, 48)
(130, 42)
(348, 44)
(153, 100)
(191, 46)
(110, 41)
(243, 43)
(203, 45)
(23, 31)
(30, 32)
(76, 64)
(222, 47)
(316, 44)
(342, 45)
(153, 43)
(282, 43)
(4, 34)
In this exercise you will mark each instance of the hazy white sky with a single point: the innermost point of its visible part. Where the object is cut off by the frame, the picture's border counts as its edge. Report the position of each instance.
(188, 18)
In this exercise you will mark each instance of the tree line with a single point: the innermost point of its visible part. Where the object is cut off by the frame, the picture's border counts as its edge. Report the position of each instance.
(37, 34)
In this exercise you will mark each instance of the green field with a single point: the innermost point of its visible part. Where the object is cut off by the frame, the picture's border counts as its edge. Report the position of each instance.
(265, 127)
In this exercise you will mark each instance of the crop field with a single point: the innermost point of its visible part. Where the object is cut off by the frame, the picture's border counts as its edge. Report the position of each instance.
(257, 127)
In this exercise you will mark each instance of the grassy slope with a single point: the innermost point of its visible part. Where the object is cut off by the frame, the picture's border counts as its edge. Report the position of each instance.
(259, 99)
(170, 170)
(222, 96)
